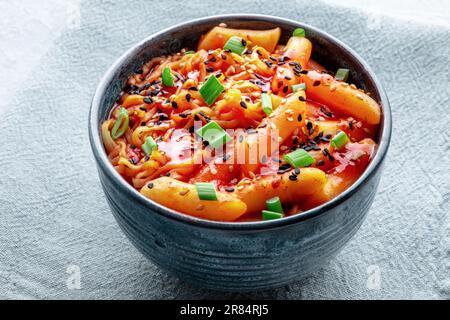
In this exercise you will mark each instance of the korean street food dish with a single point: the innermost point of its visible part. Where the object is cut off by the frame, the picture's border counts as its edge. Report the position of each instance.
(242, 128)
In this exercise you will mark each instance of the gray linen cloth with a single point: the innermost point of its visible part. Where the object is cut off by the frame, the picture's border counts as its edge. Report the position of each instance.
(54, 218)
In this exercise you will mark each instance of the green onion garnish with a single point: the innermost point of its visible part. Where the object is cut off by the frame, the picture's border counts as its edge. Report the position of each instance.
(167, 77)
(299, 32)
(299, 158)
(266, 103)
(121, 124)
(300, 86)
(342, 74)
(340, 140)
(270, 215)
(235, 44)
(189, 52)
(274, 205)
(148, 146)
(211, 89)
(206, 191)
(214, 134)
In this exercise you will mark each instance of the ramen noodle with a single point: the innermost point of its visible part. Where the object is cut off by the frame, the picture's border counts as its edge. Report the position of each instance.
(241, 129)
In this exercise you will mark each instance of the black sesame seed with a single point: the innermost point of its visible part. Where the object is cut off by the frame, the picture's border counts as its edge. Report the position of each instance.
(273, 58)
(330, 157)
(243, 104)
(316, 83)
(163, 117)
(210, 69)
(241, 138)
(297, 171)
(188, 97)
(287, 78)
(320, 163)
(213, 59)
(295, 140)
(309, 126)
(258, 52)
(244, 43)
(284, 168)
(143, 124)
(326, 112)
(293, 177)
(285, 89)
(143, 108)
(302, 98)
(325, 152)
(148, 100)
(223, 56)
(350, 125)
(229, 189)
(192, 89)
(268, 63)
(184, 115)
(299, 118)
(150, 185)
(196, 117)
(174, 105)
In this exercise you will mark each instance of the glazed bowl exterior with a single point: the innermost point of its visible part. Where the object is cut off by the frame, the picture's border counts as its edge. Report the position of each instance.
(242, 256)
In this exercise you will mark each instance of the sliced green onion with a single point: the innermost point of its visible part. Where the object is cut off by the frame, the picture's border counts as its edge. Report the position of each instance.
(300, 86)
(340, 140)
(299, 158)
(342, 74)
(270, 215)
(214, 134)
(266, 101)
(121, 124)
(211, 89)
(167, 77)
(148, 146)
(189, 52)
(206, 191)
(235, 44)
(299, 32)
(274, 205)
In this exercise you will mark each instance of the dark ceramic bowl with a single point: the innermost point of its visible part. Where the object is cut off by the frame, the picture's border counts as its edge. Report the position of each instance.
(242, 256)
